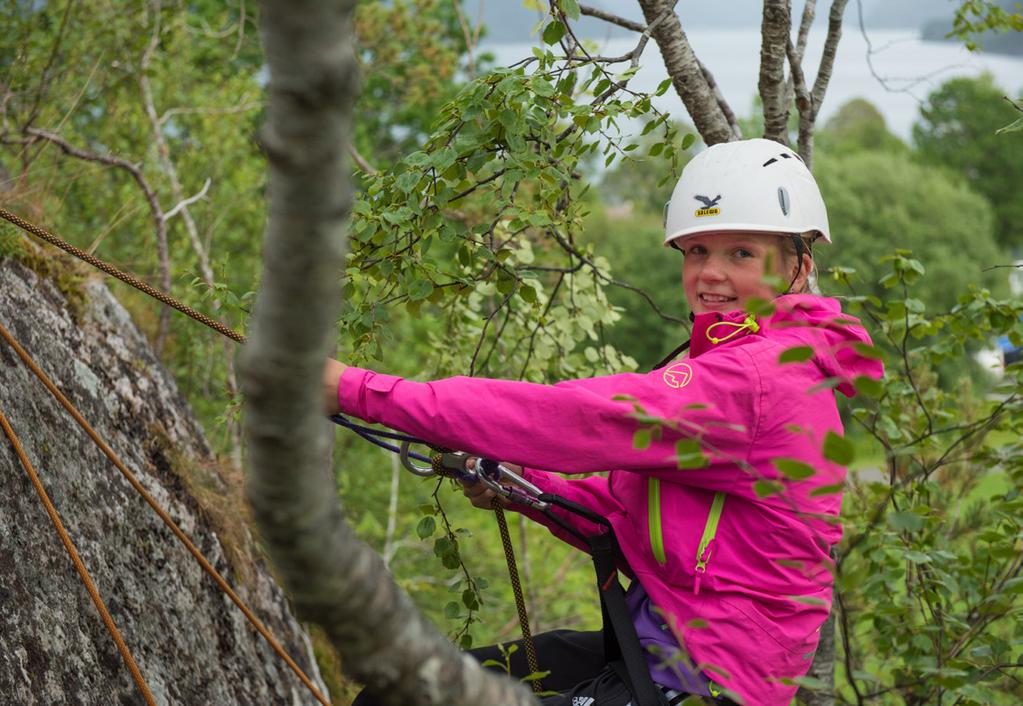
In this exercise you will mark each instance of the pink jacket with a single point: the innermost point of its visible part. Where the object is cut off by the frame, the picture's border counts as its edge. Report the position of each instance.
(751, 617)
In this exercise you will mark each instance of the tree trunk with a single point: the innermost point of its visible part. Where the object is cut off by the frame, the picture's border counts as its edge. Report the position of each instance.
(823, 668)
(336, 580)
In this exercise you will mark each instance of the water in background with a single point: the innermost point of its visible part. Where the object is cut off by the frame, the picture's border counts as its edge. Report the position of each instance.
(909, 67)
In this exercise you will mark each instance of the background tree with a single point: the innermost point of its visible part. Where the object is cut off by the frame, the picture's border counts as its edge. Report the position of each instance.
(885, 201)
(858, 126)
(958, 129)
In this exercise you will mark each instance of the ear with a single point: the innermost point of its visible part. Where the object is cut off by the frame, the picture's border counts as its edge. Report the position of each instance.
(804, 273)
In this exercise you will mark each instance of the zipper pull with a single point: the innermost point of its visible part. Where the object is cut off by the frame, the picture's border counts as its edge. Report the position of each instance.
(701, 567)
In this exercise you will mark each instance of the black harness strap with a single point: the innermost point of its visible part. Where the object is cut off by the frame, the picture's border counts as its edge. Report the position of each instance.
(621, 643)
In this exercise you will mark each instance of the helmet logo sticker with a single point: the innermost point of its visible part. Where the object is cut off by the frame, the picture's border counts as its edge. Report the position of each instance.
(709, 205)
(678, 375)
(783, 200)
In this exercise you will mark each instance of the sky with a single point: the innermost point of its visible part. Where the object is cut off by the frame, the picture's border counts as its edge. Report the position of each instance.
(510, 20)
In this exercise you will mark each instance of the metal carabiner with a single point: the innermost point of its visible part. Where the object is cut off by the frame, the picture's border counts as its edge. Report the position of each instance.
(410, 465)
(518, 489)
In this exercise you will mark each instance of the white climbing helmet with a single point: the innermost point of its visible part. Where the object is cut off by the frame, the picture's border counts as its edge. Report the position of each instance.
(751, 185)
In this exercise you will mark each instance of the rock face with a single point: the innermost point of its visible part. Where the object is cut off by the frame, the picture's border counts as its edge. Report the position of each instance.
(191, 643)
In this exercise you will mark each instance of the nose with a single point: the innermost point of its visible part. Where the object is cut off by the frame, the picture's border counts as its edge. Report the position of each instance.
(712, 270)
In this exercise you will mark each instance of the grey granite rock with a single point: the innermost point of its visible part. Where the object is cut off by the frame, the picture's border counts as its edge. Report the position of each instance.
(191, 643)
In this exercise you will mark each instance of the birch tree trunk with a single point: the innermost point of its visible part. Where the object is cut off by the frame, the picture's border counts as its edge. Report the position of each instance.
(335, 580)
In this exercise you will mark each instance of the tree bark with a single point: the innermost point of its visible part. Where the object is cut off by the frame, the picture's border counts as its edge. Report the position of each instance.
(774, 32)
(823, 668)
(335, 580)
(686, 74)
(808, 117)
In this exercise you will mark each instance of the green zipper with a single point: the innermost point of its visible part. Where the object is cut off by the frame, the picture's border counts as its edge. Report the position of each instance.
(709, 531)
(653, 497)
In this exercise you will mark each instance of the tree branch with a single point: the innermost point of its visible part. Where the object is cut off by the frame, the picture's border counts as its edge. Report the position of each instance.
(189, 201)
(159, 218)
(820, 85)
(609, 17)
(774, 31)
(686, 74)
(726, 109)
(334, 579)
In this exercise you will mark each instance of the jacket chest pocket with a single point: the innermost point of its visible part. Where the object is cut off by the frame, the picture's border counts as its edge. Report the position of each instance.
(705, 547)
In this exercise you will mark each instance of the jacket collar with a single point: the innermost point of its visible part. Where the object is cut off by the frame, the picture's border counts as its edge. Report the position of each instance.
(712, 329)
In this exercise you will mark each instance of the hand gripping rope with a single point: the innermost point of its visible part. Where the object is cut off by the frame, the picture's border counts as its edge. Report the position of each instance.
(495, 476)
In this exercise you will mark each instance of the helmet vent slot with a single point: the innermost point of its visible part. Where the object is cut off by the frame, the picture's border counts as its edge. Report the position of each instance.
(783, 200)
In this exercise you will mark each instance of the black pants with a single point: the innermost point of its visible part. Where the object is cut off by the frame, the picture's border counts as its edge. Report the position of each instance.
(578, 670)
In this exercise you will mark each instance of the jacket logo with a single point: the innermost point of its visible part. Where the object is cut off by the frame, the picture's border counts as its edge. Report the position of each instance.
(709, 205)
(678, 375)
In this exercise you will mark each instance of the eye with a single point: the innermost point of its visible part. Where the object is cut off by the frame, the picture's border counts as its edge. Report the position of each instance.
(743, 253)
(695, 250)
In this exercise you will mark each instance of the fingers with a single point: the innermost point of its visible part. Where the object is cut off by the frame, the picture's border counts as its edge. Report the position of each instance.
(479, 494)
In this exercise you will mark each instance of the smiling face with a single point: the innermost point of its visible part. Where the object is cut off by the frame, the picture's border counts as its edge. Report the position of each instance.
(724, 270)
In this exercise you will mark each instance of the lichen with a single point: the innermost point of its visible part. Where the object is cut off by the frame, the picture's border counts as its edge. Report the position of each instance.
(66, 273)
(216, 487)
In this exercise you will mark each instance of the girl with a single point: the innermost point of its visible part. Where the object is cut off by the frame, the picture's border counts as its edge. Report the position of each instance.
(726, 519)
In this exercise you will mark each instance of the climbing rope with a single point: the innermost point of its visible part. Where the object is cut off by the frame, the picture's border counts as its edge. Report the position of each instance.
(364, 432)
(123, 276)
(520, 601)
(130, 477)
(83, 572)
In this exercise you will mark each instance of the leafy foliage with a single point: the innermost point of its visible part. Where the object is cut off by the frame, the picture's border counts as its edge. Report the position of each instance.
(929, 572)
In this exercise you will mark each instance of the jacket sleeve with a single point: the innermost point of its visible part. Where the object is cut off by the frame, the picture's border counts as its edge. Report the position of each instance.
(577, 426)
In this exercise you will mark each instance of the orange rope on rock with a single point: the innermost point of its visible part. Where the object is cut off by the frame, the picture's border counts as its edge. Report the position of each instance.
(83, 572)
(130, 477)
(131, 280)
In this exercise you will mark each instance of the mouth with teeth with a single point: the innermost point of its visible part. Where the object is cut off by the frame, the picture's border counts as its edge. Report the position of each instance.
(715, 300)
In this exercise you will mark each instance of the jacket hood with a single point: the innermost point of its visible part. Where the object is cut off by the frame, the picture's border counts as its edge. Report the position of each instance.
(842, 349)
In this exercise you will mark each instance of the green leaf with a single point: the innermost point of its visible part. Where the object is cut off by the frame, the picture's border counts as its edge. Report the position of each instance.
(905, 521)
(420, 289)
(838, 449)
(426, 527)
(812, 683)
(570, 8)
(798, 354)
(1016, 126)
(688, 140)
(641, 439)
(689, 454)
(452, 610)
(794, 470)
(869, 386)
(807, 600)
(764, 488)
(833, 489)
(553, 32)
